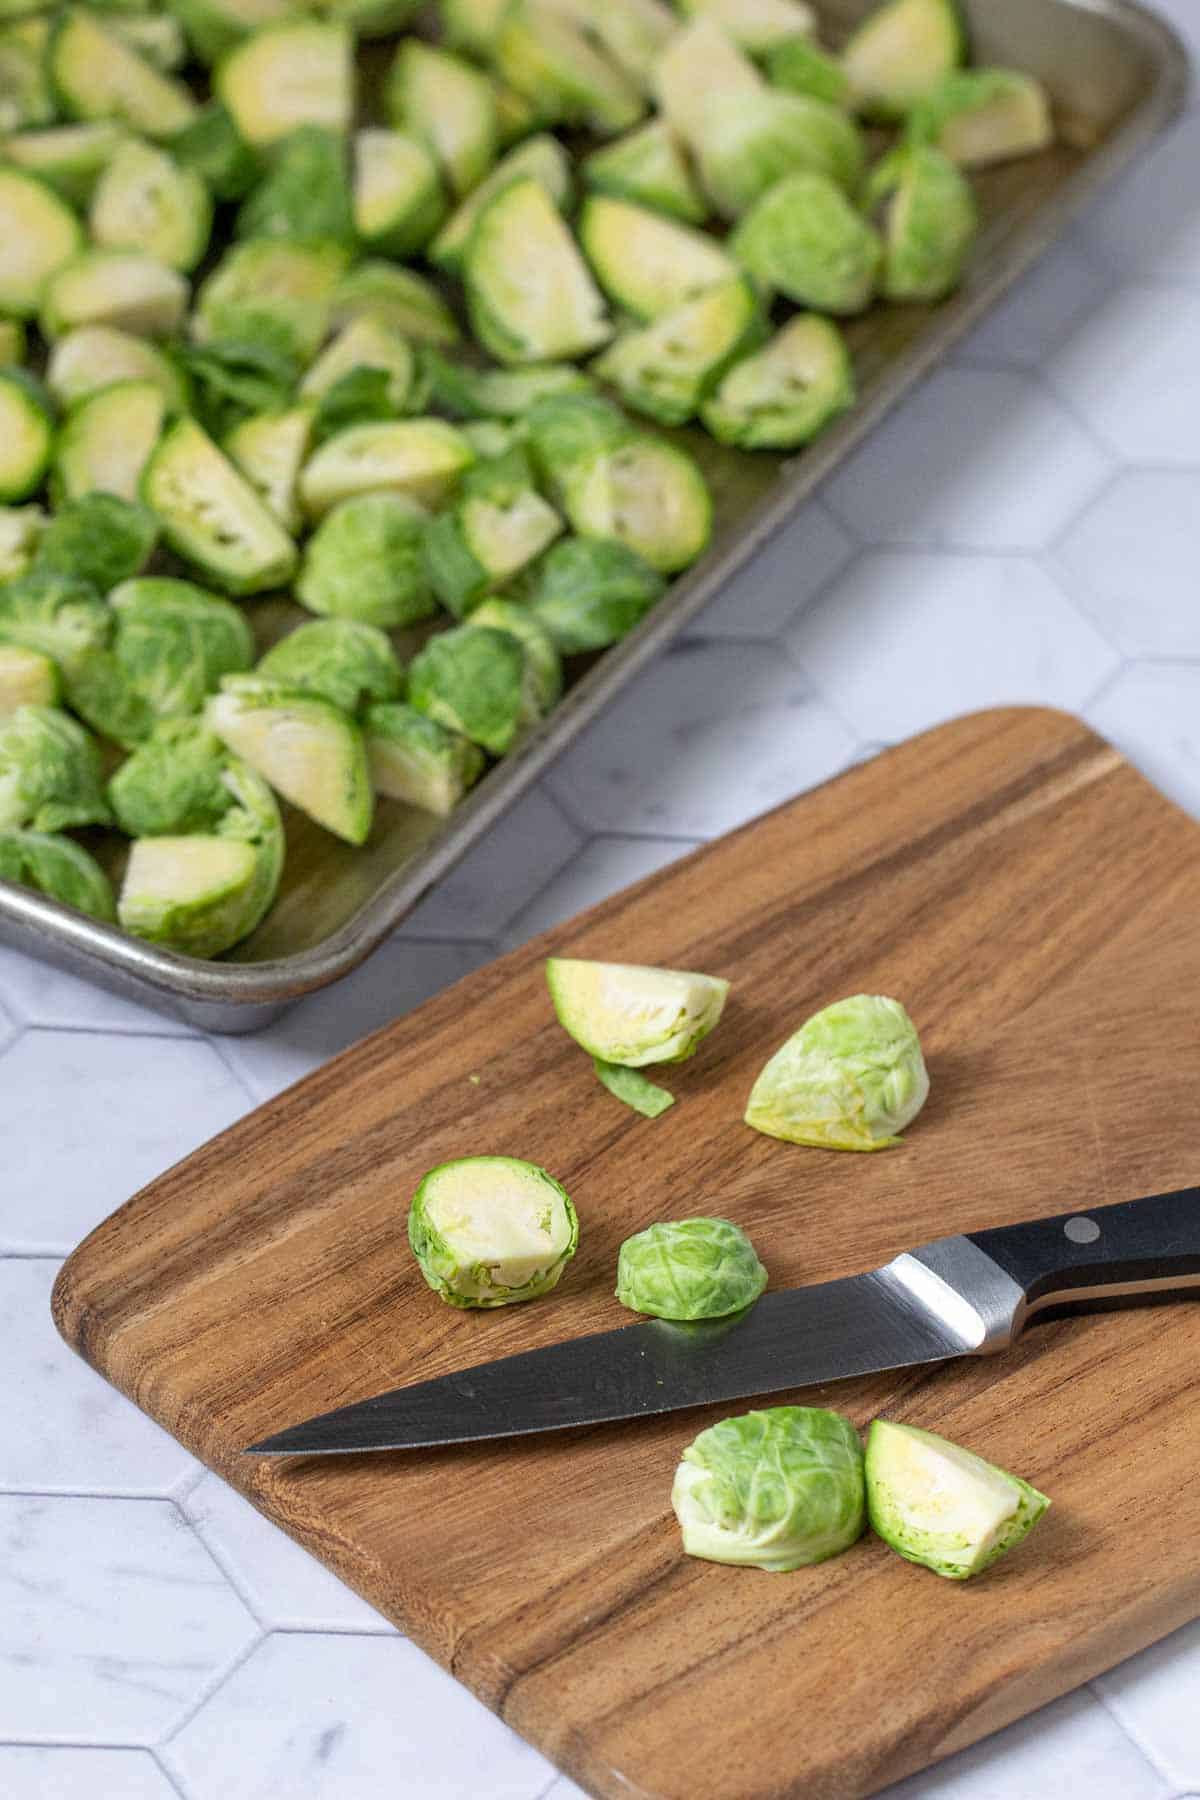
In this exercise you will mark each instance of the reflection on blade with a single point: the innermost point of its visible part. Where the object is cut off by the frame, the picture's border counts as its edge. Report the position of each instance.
(788, 1340)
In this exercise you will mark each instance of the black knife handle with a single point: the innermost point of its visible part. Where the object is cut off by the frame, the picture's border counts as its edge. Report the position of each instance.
(1136, 1252)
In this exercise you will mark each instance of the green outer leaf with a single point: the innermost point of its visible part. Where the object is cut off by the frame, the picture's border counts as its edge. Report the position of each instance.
(59, 868)
(634, 1089)
(689, 1269)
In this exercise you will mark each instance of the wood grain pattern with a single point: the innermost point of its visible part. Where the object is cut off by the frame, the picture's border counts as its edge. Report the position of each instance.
(1032, 900)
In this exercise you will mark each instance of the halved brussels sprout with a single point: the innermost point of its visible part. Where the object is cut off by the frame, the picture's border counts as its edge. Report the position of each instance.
(901, 51)
(68, 158)
(26, 435)
(450, 106)
(757, 25)
(119, 288)
(27, 678)
(63, 618)
(942, 1506)
(366, 561)
(567, 80)
(211, 516)
(305, 192)
(700, 64)
(59, 868)
(106, 442)
(96, 356)
(804, 238)
(272, 291)
(398, 197)
(540, 158)
(270, 449)
(415, 759)
(787, 392)
(588, 593)
(419, 458)
(145, 201)
(851, 1078)
(648, 264)
(491, 394)
(298, 72)
(773, 1490)
(21, 529)
(404, 300)
(98, 538)
(649, 168)
(488, 1230)
(665, 369)
(801, 67)
(982, 116)
(50, 774)
(928, 220)
(500, 524)
(543, 664)
(689, 1269)
(476, 681)
(648, 495)
(529, 292)
(343, 660)
(308, 749)
(625, 1013)
(172, 644)
(747, 145)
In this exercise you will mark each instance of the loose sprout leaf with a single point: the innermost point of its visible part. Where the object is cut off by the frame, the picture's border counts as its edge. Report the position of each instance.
(689, 1269)
(234, 378)
(366, 561)
(633, 1088)
(491, 1230)
(355, 398)
(851, 1078)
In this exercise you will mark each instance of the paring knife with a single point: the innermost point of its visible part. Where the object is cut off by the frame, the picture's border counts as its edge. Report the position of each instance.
(960, 1296)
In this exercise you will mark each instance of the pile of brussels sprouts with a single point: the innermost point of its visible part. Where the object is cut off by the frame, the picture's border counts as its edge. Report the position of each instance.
(221, 375)
(778, 1489)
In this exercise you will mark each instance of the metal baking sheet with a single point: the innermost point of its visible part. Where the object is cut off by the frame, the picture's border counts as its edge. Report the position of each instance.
(1118, 75)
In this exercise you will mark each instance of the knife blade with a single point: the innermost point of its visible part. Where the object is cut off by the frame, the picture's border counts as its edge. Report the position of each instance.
(969, 1295)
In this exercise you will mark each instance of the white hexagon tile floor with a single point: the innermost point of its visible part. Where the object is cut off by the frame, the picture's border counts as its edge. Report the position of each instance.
(1023, 529)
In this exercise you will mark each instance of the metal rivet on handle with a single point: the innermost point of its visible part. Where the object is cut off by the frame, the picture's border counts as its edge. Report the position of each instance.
(1081, 1231)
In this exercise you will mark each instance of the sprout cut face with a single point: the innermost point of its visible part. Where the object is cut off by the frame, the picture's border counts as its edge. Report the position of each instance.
(489, 1230)
(851, 1078)
(772, 1490)
(942, 1506)
(625, 1013)
(689, 1269)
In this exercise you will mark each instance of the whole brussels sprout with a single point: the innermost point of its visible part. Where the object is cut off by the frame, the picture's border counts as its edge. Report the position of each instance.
(59, 868)
(488, 1230)
(98, 538)
(342, 660)
(366, 561)
(942, 1506)
(543, 664)
(774, 1490)
(49, 772)
(625, 1013)
(851, 1078)
(689, 1269)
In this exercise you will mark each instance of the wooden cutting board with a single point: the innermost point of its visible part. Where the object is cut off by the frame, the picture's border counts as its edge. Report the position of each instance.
(1033, 901)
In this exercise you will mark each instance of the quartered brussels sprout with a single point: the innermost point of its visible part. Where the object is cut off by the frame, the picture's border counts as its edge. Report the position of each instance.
(543, 666)
(95, 356)
(399, 201)
(449, 105)
(541, 158)
(416, 760)
(981, 116)
(942, 1506)
(689, 1269)
(208, 874)
(309, 750)
(145, 200)
(171, 645)
(632, 33)
(901, 51)
(543, 56)
(299, 72)
(97, 75)
(773, 1490)
(68, 158)
(476, 681)
(98, 538)
(589, 592)
(487, 395)
(305, 191)
(665, 369)
(648, 167)
(625, 1013)
(805, 239)
(49, 772)
(633, 1089)
(105, 444)
(529, 291)
(25, 96)
(63, 618)
(784, 394)
(21, 529)
(158, 37)
(211, 516)
(366, 561)
(39, 234)
(269, 449)
(365, 343)
(27, 678)
(123, 289)
(499, 524)
(801, 67)
(271, 291)
(926, 212)
(421, 459)
(343, 660)
(746, 145)
(701, 63)
(851, 1078)
(26, 435)
(59, 868)
(648, 264)
(647, 494)
(488, 1230)
(472, 24)
(404, 299)
(758, 25)
(210, 145)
